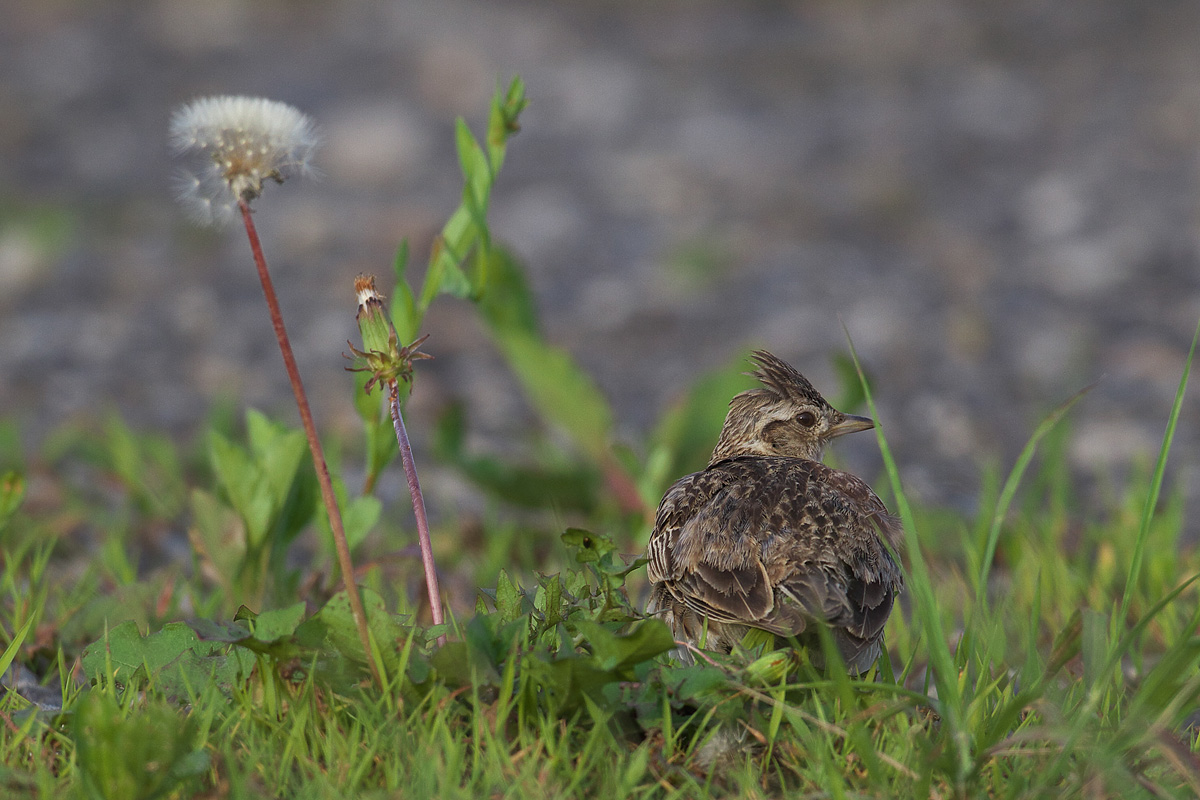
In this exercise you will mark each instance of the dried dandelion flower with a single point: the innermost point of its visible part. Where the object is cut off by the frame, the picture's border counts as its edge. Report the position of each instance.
(247, 140)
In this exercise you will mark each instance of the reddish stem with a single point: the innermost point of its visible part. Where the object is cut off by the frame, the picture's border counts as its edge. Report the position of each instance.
(418, 500)
(628, 498)
(314, 443)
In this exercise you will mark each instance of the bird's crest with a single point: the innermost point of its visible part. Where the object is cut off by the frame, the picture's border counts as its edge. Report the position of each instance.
(783, 380)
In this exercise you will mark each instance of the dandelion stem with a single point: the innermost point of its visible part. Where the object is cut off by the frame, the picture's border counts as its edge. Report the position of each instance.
(314, 443)
(418, 500)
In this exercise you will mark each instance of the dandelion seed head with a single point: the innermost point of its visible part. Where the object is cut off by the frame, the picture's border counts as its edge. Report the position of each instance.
(243, 142)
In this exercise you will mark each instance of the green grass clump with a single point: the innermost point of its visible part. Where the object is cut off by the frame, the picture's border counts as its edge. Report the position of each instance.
(173, 625)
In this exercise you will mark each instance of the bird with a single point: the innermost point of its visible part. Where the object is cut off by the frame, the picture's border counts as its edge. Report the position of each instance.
(767, 537)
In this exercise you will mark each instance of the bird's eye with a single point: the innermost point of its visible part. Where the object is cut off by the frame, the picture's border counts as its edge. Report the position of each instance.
(806, 418)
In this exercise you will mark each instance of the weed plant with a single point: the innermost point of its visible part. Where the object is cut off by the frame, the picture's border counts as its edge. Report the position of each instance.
(1045, 648)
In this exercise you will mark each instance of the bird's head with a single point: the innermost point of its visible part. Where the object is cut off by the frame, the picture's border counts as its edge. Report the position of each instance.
(785, 417)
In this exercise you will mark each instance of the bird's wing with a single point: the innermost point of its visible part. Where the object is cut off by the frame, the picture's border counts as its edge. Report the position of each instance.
(696, 554)
(837, 566)
(775, 543)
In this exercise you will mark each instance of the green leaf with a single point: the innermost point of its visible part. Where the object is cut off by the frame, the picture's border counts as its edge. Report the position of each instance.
(369, 405)
(453, 664)
(466, 231)
(502, 122)
(400, 263)
(232, 632)
(550, 602)
(1094, 647)
(244, 485)
(589, 547)
(567, 486)
(698, 681)
(445, 275)
(359, 516)
(174, 659)
(615, 651)
(566, 682)
(507, 303)
(562, 392)
(471, 159)
(488, 643)
(271, 626)
(405, 317)
(264, 486)
(218, 535)
(149, 466)
(509, 599)
(333, 628)
(297, 510)
(278, 449)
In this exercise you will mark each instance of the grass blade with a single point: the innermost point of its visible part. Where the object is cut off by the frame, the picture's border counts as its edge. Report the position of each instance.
(945, 674)
(1010, 489)
(1135, 564)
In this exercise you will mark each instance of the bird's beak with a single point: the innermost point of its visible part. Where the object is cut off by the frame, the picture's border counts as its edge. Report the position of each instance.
(849, 423)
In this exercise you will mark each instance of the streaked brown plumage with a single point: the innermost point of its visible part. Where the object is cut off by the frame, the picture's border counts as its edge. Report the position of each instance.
(768, 537)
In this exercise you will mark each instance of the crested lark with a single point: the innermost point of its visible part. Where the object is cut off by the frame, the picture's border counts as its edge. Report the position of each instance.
(768, 537)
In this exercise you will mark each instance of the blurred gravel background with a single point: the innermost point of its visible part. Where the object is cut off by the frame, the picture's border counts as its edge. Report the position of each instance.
(999, 201)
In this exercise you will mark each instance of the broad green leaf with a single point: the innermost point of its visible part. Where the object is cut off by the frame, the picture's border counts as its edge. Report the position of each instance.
(471, 159)
(453, 664)
(173, 659)
(488, 644)
(246, 487)
(615, 651)
(279, 451)
(262, 483)
(566, 682)
(562, 392)
(232, 632)
(275, 624)
(449, 251)
(333, 628)
(507, 302)
(359, 516)
(148, 465)
(299, 506)
(217, 534)
(566, 486)
(698, 681)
